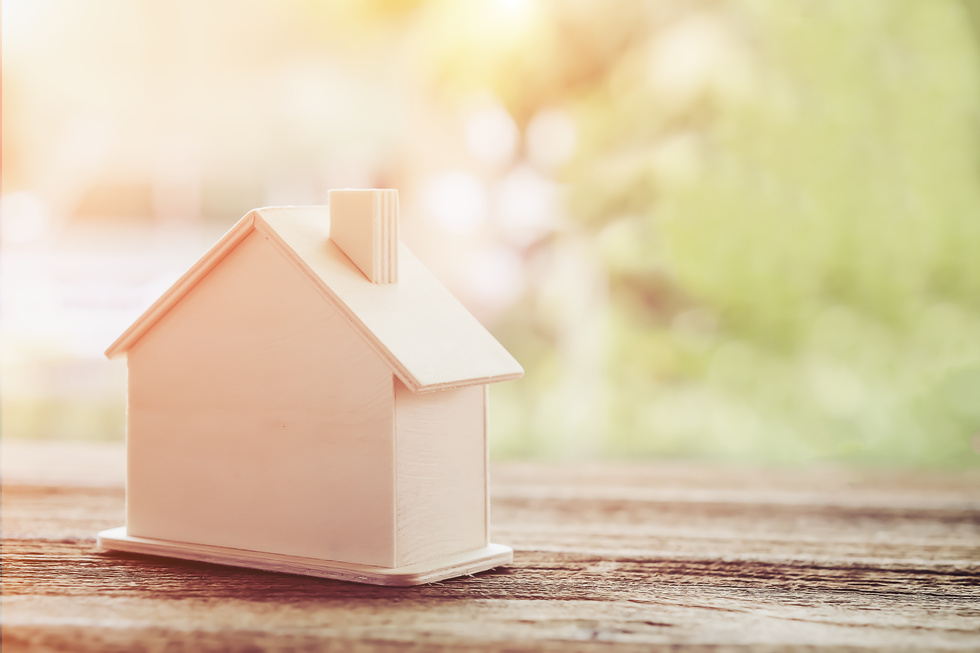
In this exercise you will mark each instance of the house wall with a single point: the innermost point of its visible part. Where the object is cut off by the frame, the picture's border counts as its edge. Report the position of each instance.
(259, 420)
(440, 472)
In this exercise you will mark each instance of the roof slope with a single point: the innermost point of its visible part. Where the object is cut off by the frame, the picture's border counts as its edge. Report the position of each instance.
(426, 336)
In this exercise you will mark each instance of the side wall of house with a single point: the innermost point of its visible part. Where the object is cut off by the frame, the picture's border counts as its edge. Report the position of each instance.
(258, 419)
(440, 472)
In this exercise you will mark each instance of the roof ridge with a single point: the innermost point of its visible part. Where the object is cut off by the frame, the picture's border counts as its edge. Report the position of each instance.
(429, 340)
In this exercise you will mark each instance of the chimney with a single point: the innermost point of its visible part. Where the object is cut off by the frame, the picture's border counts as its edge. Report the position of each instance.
(364, 225)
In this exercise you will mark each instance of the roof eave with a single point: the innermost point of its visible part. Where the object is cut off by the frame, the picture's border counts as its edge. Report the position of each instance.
(253, 221)
(450, 385)
(198, 271)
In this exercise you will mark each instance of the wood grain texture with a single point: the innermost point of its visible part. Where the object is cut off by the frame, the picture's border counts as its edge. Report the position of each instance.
(426, 335)
(259, 419)
(440, 474)
(647, 557)
(364, 225)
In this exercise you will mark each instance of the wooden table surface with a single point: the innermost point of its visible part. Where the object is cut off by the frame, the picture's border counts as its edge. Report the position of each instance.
(646, 556)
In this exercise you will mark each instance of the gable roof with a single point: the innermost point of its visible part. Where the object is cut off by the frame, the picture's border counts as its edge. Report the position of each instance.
(428, 339)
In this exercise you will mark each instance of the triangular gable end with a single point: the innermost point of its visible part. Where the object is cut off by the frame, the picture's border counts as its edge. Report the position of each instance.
(417, 327)
(232, 238)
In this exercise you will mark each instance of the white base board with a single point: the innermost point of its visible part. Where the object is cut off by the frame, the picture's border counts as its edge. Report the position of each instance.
(460, 564)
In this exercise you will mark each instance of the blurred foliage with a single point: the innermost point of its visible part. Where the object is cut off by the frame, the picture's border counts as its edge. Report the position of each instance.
(765, 248)
(788, 227)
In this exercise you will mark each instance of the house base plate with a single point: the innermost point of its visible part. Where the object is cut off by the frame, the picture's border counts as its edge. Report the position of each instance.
(460, 564)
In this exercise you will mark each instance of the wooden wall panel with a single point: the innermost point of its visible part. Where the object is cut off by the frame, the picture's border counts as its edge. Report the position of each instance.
(441, 472)
(259, 419)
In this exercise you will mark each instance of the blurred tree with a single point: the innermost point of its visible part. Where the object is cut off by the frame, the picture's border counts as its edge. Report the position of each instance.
(784, 198)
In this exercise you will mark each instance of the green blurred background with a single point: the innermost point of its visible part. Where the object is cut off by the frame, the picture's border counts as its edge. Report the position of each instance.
(740, 230)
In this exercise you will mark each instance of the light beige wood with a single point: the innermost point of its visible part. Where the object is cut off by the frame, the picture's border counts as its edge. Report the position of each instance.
(258, 419)
(364, 225)
(448, 566)
(426, 336)
(262, 410)
(440, 472)
(242, 229)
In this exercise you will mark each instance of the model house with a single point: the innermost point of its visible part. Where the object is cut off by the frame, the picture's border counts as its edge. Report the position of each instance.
(309, 398)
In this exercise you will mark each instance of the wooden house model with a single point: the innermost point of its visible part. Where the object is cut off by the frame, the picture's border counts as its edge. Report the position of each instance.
(308, 398)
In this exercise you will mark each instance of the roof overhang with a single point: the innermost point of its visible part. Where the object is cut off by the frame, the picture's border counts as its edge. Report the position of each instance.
(427, 338)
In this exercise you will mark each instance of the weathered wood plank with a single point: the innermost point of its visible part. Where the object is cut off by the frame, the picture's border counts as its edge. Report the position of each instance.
(647, 557)
(715, 529)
